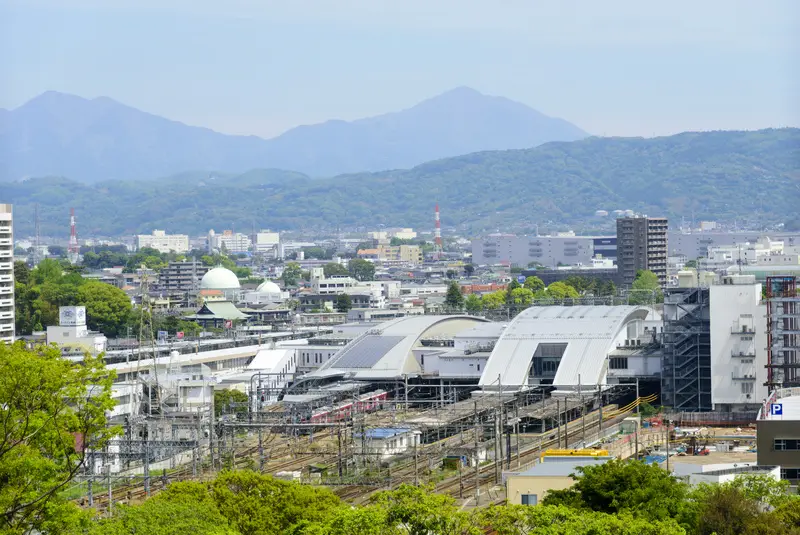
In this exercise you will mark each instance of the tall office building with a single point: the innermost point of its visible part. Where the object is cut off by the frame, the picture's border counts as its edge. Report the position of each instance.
(6, 274)
(641, 244)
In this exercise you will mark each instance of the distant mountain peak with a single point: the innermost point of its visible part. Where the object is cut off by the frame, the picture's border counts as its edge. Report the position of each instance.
(100, 138)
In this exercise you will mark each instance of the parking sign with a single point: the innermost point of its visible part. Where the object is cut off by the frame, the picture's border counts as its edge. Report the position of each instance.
(776, 409)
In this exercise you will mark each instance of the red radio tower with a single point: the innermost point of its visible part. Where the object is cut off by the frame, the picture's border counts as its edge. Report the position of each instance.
(73, 234)
(437, 235)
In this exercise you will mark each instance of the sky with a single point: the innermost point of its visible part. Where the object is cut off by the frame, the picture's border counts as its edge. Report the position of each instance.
(612, 67)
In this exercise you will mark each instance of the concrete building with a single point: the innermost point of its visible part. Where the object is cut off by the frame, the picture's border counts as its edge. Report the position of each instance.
(531, 486)
(266, 242)
(399, 254)
(738, 344)
(783, 328)
(6, 273)
(384, 442)
(695, 244)
(549, 251)
(778, 433)
(73, 336)
(163, 242)
(232, 242)
(181, 277)
(641, 245)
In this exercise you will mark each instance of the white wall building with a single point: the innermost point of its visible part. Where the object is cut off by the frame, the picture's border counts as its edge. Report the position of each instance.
(266, 242)
(738, 342)
(232, 242)
(566, 249)
(6, 274)
(72, 335)
(163, 242)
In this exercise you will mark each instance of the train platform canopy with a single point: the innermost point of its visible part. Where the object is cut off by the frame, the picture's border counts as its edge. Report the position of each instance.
(580, 338)
(385, 351)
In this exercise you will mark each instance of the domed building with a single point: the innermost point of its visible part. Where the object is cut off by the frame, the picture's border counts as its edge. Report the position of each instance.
(266, 293)
(220, 281)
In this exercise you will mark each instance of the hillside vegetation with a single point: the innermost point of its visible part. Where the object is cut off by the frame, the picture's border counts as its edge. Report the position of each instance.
(753, 177)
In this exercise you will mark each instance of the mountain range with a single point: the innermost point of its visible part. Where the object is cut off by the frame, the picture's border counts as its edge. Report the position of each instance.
(750, 177)
(100, 139)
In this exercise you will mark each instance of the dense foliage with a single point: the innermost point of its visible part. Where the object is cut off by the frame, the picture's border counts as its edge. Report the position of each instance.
(626, 498)
(721, 175)
(51, 412)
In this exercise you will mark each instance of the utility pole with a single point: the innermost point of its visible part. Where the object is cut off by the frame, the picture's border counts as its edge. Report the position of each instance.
(261, 449)
(416, 464)
(638, 422)
(89, 480)
(558, 422)
(477, 457)
(566, 423)
(339, 459)
(583, 413)
(110, 494)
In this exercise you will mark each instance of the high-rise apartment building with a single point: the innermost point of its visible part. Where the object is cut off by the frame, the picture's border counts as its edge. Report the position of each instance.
(6, 274)
(641, 245)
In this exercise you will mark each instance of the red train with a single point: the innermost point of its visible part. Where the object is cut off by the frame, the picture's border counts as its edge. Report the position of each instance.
(371, 401)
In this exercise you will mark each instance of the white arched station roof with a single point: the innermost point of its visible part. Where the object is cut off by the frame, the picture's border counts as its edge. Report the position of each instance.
(590, 332)
(385, 351)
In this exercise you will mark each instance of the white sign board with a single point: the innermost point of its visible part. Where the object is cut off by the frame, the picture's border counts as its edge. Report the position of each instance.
(72, 316)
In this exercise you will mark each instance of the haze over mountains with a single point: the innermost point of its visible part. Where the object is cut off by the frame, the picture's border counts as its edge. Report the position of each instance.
(750, 177)
(101, 139)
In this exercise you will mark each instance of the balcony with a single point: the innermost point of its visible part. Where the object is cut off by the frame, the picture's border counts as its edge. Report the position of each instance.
(743, 354)
(743, 329)
(6, 266)
(6, 290)
(7, 315)
(6, 303)
(6, 253)
(6, 278)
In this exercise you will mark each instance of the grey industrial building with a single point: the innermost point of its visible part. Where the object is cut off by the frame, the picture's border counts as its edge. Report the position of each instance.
(548, 251)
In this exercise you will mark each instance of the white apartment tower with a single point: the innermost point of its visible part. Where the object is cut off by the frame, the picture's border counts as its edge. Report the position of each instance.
(6, 274)
(738, 344)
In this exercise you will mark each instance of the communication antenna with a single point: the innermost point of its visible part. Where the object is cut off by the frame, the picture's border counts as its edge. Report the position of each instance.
(147, 339)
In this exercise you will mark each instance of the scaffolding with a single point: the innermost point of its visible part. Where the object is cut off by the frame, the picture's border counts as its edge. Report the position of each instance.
(783, 332)
(686, 362)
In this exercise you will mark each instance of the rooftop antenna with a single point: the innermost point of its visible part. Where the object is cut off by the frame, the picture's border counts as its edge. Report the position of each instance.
(437, 235)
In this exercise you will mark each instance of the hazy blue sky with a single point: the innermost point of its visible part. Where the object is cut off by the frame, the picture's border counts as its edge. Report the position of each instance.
(262, 66)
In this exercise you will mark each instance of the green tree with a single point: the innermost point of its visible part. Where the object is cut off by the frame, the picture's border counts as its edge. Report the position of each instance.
(332, 269)
(534, 284)
(184, 508)
(48, 270)
(257, 504)
(624, 486)
(420, 511)
(521, 297)
(454, 298)
(343, 303)
(469, 269)
(291, 274)
(46, 403)
(494, 300)
(107, 307)
(361, 270)
(223, 400)
(22, 273)
(645, 289)
(473, 304)
(690, 264)
(561, 290)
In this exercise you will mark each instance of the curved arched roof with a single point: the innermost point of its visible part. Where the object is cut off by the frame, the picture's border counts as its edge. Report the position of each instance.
(590, 333)
(386, 350)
